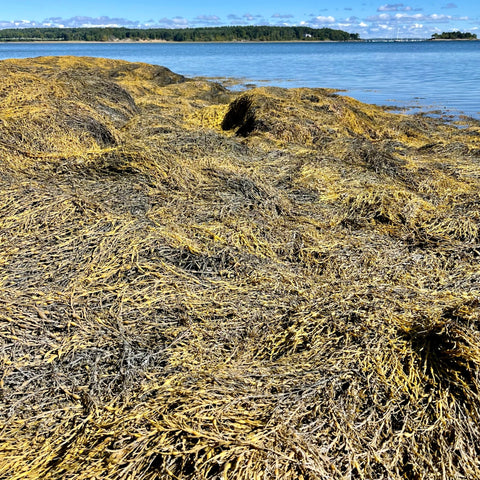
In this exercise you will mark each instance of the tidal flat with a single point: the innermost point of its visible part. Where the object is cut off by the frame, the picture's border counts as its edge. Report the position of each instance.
(201, 283)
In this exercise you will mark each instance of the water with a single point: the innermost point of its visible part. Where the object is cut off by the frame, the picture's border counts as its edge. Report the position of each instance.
(430, 76)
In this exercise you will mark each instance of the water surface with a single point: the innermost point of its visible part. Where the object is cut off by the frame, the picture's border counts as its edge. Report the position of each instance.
(441, 76)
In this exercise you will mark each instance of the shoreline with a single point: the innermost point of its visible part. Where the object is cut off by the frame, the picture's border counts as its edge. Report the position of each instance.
(172, 41)
(454, 39)
(144, 41)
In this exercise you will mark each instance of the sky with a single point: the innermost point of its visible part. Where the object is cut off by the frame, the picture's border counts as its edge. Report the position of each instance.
(369, 18)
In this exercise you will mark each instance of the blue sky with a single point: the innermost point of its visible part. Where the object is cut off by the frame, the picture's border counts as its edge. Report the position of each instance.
(369, 18)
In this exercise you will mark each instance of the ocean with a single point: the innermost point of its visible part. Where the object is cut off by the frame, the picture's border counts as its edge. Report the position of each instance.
(437, 77)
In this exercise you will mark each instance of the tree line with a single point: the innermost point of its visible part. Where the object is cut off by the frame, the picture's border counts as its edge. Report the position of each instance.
(454, 36)
(203, 34)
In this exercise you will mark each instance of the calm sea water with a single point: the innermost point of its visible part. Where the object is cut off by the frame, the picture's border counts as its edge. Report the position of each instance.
(441, 76)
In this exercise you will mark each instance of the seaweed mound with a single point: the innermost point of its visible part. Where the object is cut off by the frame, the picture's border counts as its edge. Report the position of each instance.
(201, 284)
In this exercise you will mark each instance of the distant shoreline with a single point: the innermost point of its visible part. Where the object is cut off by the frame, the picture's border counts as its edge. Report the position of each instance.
(230, 33)
(136, 42)
(454, 39)
(176, 42)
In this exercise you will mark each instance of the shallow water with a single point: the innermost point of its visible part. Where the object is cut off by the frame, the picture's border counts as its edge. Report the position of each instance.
(443, 76)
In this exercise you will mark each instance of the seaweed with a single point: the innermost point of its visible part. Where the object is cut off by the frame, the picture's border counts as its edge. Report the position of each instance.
(200, 283)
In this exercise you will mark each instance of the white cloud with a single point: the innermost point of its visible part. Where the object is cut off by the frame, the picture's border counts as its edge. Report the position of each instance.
(376, 18)
(175, 22)
(415, 17)
(395, 7)
(322, 19)
(104, 21)
(83, 21)
(404, 16)
(438, 18)
(408, 24)
(207, 20)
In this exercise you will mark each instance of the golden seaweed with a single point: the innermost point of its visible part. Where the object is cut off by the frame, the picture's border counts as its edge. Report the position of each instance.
(198, 283)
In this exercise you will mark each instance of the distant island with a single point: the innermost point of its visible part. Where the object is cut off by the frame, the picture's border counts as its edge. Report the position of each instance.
(204, 34)
(454, 36)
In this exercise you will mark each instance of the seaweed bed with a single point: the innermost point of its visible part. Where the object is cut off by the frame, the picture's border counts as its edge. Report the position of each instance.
(197, 283)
